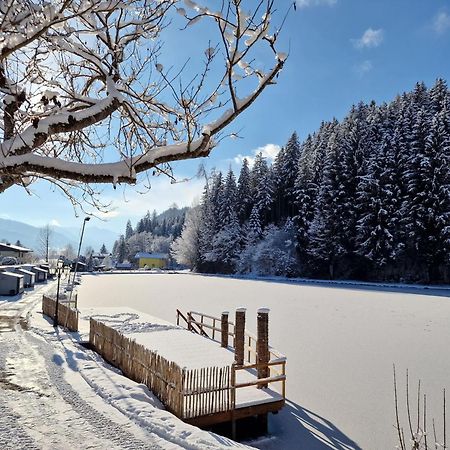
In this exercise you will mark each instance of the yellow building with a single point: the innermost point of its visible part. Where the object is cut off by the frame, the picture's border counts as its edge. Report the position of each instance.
(152, 260)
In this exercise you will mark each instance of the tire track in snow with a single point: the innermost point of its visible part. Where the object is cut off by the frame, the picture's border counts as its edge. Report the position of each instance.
(12, 435)
(104, 428)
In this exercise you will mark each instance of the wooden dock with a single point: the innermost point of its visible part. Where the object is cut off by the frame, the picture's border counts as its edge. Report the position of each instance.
(197, 374)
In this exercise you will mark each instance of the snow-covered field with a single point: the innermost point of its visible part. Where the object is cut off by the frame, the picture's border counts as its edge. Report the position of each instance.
(340, 343)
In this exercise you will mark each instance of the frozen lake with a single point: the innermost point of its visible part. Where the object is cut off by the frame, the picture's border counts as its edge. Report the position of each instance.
(340, 343)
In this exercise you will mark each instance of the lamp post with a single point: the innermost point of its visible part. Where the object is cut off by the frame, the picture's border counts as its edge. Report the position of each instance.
(86, 219)
(59, 269)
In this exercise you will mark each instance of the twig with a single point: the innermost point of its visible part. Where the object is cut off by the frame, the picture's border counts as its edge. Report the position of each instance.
(425, 420)
(402, 445)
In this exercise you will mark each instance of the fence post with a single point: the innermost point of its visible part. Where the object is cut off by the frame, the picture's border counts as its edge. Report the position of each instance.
(224, 327)
(239, 334)
(262, 345)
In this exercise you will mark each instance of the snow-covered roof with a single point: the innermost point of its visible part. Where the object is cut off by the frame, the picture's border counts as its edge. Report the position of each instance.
(38, 269)
(24, 271)
(14, 248)
(10, 274)
(151, 255)
(123, 265)
(100, 255)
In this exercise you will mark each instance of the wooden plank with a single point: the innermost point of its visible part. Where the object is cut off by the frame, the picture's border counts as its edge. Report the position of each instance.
(256, 365)
(261, 381)
(240, 413)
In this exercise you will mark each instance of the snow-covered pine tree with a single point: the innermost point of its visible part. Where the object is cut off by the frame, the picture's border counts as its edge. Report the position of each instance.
(251, 234)
(305, 191)
(121, 250)
(226, 243)
(428, 208)
(244, 193)
(326, 247)
(352, 145)
(128, 230)
(375, 205)
(210, 221)
(262, 188)
(285, 171)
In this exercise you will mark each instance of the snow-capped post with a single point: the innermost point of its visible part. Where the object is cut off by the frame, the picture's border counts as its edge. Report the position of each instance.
(262, 345)
(224, 328)
(239, 336)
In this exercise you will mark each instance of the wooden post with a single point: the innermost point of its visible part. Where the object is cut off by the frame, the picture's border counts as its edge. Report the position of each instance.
(224, 326)
(262, 345)
(239, 332)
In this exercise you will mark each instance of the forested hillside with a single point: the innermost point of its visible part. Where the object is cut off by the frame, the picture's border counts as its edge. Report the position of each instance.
(367, 197)
(153, 233)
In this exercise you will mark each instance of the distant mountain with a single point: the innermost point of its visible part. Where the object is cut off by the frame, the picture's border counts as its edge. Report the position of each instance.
(28, 235)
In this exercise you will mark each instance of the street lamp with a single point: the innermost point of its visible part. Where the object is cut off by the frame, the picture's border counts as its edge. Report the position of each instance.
(86, 219)
(59, 269)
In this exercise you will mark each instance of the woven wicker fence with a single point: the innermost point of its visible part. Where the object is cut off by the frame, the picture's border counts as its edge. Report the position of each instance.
(185, 393)
(67, 317)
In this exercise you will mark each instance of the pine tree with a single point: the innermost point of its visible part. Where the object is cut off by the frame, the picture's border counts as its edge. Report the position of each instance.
(324, 233)
(129, 230)
(285, 172)
(226, 242)
(121, 249)
(103, 250)
(244, 193)
(262, 188)
(428, 187)
(210, 221)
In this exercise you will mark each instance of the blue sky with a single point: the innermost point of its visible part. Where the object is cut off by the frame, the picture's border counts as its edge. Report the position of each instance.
(340, 52)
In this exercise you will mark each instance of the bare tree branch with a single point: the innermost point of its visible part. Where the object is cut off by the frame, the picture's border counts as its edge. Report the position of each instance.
(87, 99)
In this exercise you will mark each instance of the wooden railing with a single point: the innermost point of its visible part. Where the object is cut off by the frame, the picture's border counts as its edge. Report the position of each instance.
(191, 325)
(276, 364)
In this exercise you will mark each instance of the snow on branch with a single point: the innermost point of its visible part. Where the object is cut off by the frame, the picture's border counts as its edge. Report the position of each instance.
(87, 94)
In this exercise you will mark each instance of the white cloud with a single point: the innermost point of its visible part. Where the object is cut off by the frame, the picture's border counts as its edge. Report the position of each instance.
(441, 22)
(370, 38)
(364, 67)
(161, 196)
(54, 223)
(307, 3)
(269, 151)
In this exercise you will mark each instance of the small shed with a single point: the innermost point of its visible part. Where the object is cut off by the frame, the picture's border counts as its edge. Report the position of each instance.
(124, 266)
(152, 260)
(11, 283)
(81, 267)
(28, 276)
(40, 274)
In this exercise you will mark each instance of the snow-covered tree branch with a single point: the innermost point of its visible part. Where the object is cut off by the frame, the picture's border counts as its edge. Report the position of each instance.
(86, 96)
